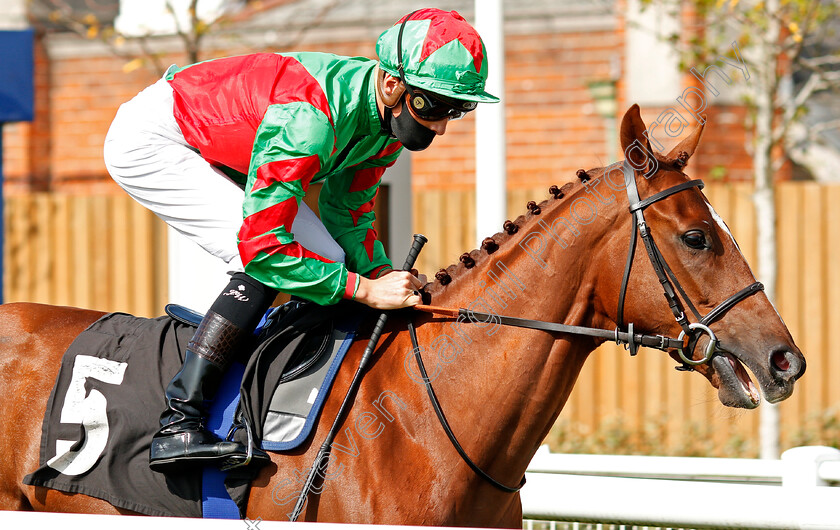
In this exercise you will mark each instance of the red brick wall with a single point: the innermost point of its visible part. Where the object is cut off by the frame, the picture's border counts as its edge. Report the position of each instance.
(724, 144)
(552, 128)
(76, 99)
(85, 96)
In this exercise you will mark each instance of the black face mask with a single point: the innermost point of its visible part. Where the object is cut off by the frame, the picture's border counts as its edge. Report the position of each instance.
(413, 135)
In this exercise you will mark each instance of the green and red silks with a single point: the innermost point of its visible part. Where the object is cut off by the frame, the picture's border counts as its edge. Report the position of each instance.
(278, 123)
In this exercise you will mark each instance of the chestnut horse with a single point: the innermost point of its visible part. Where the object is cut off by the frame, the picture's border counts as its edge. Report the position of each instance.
(501, 387)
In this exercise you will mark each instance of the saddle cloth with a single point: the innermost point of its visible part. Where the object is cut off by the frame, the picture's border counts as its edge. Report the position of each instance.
(105, 405)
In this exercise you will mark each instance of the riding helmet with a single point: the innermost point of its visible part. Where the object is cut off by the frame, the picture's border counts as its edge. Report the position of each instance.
(440, 52)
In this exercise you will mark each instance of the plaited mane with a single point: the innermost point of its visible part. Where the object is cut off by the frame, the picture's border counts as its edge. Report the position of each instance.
(499, 240)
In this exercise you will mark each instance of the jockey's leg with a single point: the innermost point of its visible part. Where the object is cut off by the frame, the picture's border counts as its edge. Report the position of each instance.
(225, 329)
(147, 155)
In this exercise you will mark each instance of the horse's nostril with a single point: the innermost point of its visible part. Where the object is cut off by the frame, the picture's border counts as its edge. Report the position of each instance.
(786, 364)
(780, 361)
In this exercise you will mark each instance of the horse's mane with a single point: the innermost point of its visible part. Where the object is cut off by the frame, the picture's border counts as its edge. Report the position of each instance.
(560, 196)
(492, 244)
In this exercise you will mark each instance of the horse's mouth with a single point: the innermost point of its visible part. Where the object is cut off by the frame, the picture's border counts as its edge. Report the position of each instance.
(736, 388)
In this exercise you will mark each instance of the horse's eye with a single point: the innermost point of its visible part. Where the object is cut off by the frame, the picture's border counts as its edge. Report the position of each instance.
(695, 239)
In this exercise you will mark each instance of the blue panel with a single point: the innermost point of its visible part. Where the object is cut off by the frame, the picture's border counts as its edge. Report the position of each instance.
(215, 500)
(16, 75)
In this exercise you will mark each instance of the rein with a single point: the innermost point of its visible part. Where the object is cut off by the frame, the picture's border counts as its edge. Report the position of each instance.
(445, 423)
(684, 343)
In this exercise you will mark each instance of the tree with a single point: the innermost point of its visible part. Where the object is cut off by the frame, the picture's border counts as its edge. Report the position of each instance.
(777, 39)
(191, 21)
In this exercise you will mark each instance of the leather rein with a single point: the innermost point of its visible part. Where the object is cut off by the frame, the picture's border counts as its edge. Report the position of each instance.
(684, 343)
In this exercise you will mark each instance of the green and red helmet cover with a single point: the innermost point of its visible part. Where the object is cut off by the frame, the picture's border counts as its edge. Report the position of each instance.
(441, 53)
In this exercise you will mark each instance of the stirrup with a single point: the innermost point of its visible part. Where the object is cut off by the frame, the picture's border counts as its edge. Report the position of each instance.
(235, 461)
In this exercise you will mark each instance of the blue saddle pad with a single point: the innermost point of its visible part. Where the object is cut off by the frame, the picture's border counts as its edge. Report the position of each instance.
(282, 412)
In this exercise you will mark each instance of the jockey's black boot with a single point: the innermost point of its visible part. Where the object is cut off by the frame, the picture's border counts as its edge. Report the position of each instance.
(182, 440)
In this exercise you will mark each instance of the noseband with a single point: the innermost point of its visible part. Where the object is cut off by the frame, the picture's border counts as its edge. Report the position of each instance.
(691, 331)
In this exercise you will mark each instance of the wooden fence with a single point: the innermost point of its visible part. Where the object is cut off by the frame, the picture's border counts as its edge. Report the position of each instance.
(108, 253)
(98, 252)
(616, 395)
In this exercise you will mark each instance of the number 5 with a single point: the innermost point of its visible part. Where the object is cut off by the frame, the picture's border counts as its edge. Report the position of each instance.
(88, 411)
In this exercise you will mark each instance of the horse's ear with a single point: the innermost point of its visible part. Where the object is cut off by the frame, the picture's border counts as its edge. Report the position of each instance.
(688, 145)
(634, 142)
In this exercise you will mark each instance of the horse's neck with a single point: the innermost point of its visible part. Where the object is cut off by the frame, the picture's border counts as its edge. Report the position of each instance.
(513, 382)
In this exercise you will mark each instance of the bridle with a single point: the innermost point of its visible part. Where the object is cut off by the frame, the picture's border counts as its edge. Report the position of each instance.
(684, 343)
(690, 330)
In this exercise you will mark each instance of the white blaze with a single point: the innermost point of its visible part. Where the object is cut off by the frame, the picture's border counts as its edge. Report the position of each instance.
(721, 224)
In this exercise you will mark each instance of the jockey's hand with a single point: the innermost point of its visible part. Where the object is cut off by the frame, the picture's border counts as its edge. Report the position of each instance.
(392, 290)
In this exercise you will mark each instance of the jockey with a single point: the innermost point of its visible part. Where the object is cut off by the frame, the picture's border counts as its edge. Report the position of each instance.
(244, 137)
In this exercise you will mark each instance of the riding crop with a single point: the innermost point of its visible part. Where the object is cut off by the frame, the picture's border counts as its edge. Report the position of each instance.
(319, 463)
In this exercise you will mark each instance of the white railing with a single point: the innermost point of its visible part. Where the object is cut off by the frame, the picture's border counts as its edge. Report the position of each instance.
(790, 493)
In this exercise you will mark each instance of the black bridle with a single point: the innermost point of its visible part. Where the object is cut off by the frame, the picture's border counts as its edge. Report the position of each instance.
(691, 331)
(684, 344)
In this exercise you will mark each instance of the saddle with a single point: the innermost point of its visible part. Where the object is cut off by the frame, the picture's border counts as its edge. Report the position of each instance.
(303, 356)
(298, 349)
(300, 344)
(281, 390)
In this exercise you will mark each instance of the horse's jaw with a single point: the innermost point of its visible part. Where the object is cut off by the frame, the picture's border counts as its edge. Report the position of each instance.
(735, 387)
(729, 372)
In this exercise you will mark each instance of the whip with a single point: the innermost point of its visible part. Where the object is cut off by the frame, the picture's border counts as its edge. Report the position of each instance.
(319, 463)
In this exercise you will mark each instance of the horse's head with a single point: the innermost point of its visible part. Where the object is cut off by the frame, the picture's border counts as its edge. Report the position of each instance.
(705, 263)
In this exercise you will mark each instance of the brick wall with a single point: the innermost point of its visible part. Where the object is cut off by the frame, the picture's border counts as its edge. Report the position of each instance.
(85, 96)
(552, 126)
(76, 99)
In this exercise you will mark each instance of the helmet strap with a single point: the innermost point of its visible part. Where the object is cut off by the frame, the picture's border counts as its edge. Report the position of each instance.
(399, 45)
(391, 101)
(401, 68)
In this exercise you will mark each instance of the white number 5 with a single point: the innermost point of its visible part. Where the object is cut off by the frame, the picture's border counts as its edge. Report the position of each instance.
(88, 411)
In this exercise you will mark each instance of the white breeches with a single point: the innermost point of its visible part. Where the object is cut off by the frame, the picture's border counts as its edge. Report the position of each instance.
(146, 154)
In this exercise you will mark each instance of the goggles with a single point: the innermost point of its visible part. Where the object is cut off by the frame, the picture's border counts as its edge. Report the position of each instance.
(433, 108)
